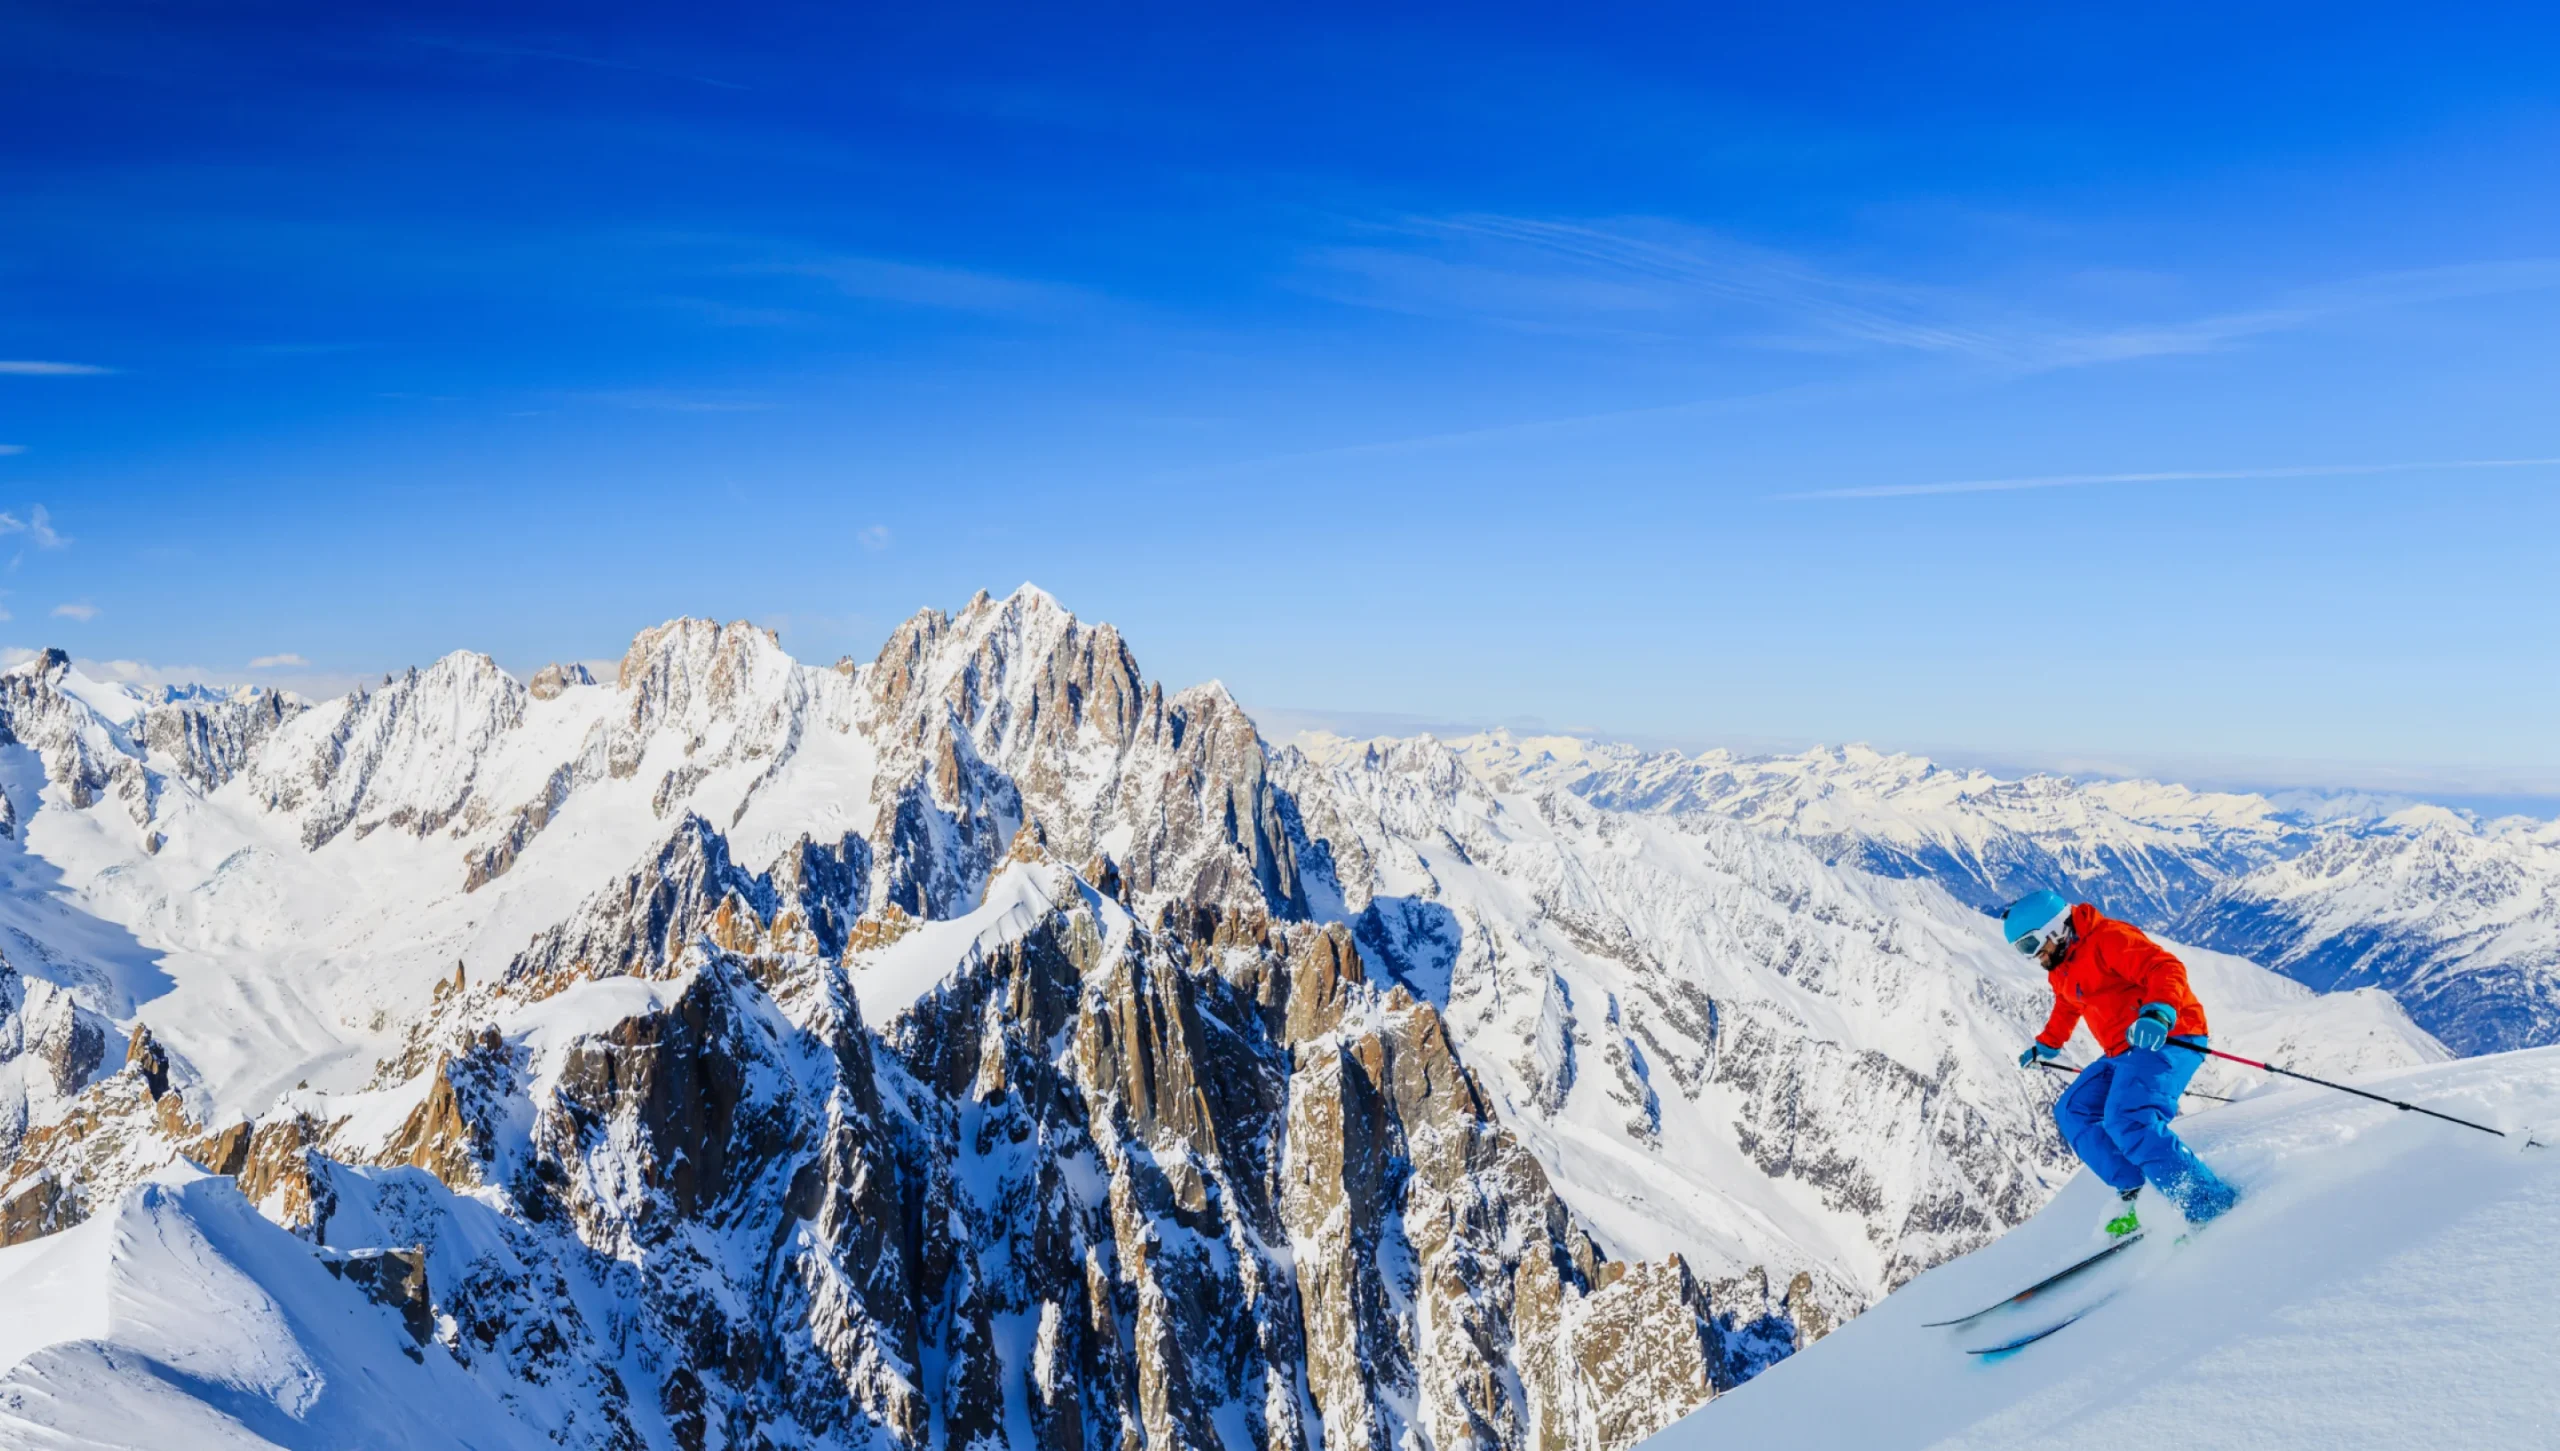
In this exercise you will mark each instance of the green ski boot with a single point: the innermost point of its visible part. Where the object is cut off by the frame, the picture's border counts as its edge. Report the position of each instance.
(2126, 1221)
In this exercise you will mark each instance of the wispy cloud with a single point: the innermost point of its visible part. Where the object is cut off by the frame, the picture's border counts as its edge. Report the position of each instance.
(34, 368)
(2308, 306)
(1677, 283)
(81, 611)
(37, 526)
(1633, 274)
(668, 400)
(2164, 476)
(9, 448)
(276, 662)
(563, 57)
(875, 538)
(951, 289)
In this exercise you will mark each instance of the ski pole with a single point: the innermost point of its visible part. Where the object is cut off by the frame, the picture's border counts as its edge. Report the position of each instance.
(2189, 1092)
(2358, 1092)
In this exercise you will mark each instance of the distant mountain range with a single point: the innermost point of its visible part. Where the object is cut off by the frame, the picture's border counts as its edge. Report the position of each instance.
(2457, 917)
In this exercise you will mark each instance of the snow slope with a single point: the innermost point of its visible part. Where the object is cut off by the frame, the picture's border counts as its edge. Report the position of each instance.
(2387, 1282)
(182, 1318)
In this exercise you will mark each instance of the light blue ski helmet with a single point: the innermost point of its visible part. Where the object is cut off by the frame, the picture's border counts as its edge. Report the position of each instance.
(2034, 920)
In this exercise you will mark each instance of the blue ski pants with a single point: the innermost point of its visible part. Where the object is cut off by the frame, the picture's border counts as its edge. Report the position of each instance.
(2116, 1114)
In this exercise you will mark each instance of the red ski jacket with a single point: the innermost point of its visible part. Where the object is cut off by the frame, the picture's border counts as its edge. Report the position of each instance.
(2111, 971)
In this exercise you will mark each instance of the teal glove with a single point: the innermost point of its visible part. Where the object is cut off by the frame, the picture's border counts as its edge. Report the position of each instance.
(2151, 1029)
(2037, 1053)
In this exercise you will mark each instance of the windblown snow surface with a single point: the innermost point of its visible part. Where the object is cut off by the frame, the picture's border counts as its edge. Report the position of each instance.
(2387, 1282)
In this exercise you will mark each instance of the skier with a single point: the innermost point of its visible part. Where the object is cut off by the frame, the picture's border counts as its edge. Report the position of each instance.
(2133, 995)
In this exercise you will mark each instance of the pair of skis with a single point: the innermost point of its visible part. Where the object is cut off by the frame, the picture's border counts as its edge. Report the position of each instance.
(2050, 1282)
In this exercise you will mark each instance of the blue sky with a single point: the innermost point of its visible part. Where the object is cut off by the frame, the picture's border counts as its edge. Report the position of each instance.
(2168, 390)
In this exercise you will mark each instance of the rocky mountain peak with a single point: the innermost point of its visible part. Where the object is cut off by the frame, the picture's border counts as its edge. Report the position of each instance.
(406, 755)
(553, 679)
(51, 662)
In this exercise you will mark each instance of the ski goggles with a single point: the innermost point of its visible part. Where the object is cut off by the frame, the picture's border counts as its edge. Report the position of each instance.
(2033, 942)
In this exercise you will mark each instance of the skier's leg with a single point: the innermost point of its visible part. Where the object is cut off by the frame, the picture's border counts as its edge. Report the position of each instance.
(2081, 1115)
(2141, 1099)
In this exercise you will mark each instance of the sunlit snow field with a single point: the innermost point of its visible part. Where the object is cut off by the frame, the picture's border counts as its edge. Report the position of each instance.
(2389, 1281)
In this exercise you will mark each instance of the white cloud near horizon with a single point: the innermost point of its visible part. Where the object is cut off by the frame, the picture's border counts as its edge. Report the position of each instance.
(271, 662)
(146, 675)
(37, 368)
(81, 610)
(2162, 476)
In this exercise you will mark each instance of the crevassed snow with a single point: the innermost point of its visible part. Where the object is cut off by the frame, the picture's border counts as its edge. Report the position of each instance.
(2387, 1282)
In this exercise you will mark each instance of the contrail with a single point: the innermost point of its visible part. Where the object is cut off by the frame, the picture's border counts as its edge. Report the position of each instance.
(2064, 481)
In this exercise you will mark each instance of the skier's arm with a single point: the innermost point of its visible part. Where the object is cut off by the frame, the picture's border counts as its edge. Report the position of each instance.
(2159, 973)
(2057, 1029)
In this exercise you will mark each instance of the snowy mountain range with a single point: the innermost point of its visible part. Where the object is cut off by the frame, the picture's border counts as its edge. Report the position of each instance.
(981, 1045)
(2457, 917)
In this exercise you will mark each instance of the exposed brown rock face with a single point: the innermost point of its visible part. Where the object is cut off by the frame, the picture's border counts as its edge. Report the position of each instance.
(118, 1130)
(449, 1133)
(647, 921)
(144, 1056)
(553, 680)
(393, 1277)
(56, 1045)
(33, 1208)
